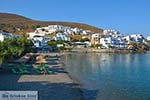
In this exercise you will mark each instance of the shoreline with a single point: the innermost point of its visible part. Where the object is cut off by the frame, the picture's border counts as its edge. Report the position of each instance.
(102, 50)
(92, 50)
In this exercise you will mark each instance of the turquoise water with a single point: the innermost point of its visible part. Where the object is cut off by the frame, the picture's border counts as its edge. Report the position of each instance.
(111, 76)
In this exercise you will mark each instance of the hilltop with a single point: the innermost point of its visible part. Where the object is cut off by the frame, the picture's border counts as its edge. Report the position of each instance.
(19, 24)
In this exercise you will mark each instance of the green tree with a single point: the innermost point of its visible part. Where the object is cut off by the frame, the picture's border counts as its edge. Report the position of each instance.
(52, 43)
(13, 48)
(109, 46)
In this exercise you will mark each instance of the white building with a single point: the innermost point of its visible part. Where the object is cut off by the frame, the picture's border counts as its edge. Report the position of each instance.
(38, 39)
(32, 34)
(56, 32)
(138, 38)
(59, 28)
(110, 32)
(61, 37)
(115, 39)
(107, 41)
(134, 38)
(127, 38)
(1, 37)
(4, 35)
(148, 38)
(110, 38)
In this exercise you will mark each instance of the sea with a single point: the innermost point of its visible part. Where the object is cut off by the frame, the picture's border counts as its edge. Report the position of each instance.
(110, 76)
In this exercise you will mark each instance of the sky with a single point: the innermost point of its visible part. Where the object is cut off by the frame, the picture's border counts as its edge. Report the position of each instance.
(126, 16)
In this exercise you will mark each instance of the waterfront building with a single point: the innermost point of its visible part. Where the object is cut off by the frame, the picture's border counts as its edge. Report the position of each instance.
(109, 40)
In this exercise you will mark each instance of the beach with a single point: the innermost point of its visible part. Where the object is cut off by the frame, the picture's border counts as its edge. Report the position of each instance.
(58, 86)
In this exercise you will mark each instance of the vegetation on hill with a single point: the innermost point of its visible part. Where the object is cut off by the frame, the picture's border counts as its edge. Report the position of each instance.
(19, 24)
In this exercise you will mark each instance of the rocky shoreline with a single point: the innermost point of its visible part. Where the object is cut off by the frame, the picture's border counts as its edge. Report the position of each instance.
(93, 50)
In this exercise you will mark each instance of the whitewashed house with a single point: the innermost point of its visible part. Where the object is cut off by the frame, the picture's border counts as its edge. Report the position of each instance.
(107, 41)
(121, 42)
(61, 37)
(33, 34)
(110, 32)
(38, 39)
(59, 28)
(137, 38)
(134, 38)
(55, 32)
(115, 39)
(4, 35)
(148, 38)
(127, 39)
(109, 38)
(53, 28)
(118, 42)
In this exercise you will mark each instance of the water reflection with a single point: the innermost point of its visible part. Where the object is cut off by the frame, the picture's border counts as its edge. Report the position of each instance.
(113, 76)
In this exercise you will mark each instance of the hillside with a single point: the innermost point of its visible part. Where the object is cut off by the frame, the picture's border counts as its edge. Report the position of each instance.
(19, 24)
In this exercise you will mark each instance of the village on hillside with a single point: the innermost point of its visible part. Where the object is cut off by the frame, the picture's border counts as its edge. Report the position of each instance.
(67, 37)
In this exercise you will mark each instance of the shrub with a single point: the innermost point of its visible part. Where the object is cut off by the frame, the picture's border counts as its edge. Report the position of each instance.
(13, 48)
(52, 43)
